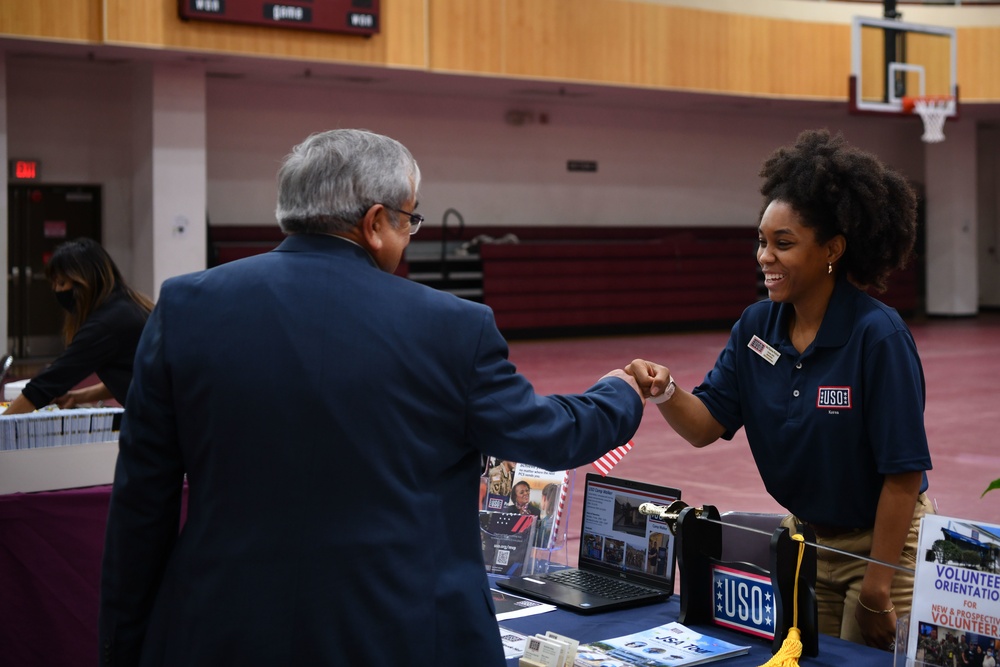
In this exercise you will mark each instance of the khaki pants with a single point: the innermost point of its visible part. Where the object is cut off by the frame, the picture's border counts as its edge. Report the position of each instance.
(838, 577)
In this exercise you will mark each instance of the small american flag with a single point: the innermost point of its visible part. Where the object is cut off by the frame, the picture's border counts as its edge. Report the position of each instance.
(563, 491)
(604, 464)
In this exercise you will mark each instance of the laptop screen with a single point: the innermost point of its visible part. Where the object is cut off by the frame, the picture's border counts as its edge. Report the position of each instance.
(615, 538)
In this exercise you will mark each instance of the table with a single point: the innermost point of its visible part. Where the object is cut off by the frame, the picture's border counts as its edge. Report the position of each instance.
(50, 572)
(64, 467)
(51, 544)
(593, 627)
(50, 563)
(53, 512)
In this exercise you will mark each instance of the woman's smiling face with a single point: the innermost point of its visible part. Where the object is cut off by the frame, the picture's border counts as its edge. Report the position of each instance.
(794, 264)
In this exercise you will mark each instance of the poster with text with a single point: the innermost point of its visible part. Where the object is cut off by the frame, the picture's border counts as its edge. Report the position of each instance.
(956, 593)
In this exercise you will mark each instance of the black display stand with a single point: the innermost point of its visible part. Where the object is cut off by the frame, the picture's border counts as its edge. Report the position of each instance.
(700, 548)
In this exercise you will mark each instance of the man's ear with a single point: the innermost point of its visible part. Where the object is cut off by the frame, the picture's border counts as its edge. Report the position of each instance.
(371, 227)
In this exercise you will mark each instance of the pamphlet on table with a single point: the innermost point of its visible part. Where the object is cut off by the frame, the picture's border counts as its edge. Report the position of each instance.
(513, 643)
(509, 605)
(670, 645)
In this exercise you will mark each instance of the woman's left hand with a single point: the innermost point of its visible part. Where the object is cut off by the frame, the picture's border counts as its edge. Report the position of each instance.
(878, 629)
(70, 399)
(85, 395)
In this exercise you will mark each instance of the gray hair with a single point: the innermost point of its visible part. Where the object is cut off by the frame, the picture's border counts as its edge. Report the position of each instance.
(329, 181)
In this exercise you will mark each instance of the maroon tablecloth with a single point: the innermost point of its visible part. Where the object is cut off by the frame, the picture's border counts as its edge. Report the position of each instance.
(50, 571)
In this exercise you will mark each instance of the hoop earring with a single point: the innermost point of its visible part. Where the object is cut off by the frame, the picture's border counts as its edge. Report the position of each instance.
(829, 267)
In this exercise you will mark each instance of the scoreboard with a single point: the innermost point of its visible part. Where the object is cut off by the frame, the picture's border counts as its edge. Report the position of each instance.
(357, 17)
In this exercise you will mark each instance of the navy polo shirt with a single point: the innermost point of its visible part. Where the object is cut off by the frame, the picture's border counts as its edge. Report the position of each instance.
(826, 425)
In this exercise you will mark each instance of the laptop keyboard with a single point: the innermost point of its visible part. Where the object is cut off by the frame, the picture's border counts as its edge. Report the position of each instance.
(595, 584)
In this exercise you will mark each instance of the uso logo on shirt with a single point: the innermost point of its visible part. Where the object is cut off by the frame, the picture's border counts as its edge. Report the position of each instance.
(834, 398)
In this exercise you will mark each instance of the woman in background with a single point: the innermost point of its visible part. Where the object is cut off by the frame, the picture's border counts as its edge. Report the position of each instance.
(104, 319)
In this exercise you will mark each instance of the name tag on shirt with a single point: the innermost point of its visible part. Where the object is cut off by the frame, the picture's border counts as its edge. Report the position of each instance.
(768, 353)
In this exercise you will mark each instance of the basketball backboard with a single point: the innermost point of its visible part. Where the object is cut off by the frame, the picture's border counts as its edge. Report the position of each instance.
(893, 61)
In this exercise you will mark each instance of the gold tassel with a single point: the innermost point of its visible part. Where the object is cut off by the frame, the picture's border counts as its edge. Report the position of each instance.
(791, 649)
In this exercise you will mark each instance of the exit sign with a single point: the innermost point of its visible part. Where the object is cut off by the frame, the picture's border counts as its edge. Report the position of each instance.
(25, 170)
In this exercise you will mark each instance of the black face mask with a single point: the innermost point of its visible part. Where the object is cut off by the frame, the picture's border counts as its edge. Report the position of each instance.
(67, 299)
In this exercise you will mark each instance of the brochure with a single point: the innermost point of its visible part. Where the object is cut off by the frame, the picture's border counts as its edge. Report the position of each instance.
(956, 591)
(509, 605)
(669, 645)
(506, 541)
(547, 495)
(513, 643)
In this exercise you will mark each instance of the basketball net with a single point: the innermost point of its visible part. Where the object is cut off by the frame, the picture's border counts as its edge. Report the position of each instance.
(933, 110)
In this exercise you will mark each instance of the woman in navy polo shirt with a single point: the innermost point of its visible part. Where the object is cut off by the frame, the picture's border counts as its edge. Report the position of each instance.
(825, 379)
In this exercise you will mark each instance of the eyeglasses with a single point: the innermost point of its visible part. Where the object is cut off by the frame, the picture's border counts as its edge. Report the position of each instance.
(415, 219)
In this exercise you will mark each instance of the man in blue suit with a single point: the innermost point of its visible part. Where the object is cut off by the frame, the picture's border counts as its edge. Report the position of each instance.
(334, 522)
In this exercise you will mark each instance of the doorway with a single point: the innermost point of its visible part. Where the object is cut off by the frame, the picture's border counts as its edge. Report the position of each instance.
(40, 217)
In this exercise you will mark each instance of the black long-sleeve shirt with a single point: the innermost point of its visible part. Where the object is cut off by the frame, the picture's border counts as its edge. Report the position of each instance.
(104, 345)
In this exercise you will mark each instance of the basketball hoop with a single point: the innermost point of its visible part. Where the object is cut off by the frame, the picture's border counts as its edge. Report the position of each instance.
(933, 110)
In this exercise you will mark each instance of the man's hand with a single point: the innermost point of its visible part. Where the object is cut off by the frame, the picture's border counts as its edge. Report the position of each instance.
(619, 373)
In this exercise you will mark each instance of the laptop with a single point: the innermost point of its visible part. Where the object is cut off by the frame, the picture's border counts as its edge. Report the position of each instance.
(619, 547)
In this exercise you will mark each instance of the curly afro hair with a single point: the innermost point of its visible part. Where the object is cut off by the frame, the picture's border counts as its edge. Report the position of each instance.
(839, 189)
